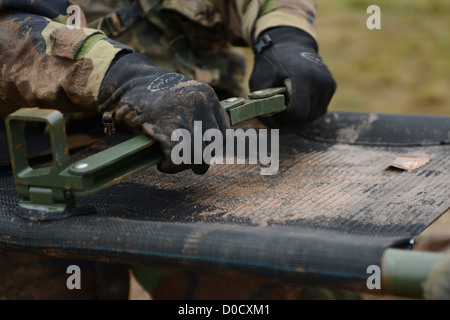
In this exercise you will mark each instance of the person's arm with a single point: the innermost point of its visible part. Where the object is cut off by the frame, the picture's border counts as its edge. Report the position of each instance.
(45, 64)
(245, 20)
(284, 40)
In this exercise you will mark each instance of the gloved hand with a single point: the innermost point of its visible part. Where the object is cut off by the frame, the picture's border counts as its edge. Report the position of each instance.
(286, 56)
(155, 101)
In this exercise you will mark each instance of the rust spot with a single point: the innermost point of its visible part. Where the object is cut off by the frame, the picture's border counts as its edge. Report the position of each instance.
(43, 111)
(118, 180)
(207, 213)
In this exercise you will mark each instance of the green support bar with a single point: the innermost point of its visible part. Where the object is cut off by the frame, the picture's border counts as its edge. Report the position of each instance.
(404, 272)
(53, 189)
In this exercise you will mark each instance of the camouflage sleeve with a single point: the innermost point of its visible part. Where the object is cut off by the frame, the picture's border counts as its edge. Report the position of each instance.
(245, 17)
(46, 64)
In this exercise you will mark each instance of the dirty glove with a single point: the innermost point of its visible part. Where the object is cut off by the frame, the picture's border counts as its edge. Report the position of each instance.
(286, 56)
(155, 101)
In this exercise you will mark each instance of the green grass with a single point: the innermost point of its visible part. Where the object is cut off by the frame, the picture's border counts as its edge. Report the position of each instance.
(402, 68)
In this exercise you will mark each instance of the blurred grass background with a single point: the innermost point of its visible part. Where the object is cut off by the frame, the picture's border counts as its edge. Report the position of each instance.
(402, 68)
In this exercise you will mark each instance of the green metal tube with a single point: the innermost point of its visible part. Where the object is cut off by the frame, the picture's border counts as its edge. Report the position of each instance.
(404, 272)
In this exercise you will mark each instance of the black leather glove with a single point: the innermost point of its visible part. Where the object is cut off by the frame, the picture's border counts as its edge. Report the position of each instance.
(155, 101)
(286, 56)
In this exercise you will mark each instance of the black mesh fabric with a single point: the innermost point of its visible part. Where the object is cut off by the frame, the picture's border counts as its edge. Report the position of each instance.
(328, 214)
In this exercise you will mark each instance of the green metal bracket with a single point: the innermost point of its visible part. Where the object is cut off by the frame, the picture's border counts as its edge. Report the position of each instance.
(53, 189)
(35, 195)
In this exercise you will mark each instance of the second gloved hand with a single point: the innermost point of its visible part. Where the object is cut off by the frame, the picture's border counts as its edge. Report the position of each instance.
(155, 101)
(286, 56)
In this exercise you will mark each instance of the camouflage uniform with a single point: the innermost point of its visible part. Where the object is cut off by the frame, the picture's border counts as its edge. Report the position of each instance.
(46, 64)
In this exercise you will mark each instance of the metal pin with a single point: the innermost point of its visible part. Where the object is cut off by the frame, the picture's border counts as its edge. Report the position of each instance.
(68, 194)
(108, 120)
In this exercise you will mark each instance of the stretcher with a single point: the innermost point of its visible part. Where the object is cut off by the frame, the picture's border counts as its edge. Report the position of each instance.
(352, 192)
